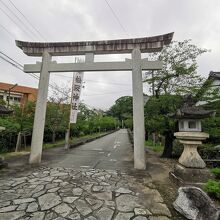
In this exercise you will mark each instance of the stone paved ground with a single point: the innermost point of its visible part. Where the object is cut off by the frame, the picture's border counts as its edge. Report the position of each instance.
(67, 193)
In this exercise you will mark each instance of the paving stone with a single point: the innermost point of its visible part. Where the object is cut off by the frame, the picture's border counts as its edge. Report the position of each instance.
(82, 207)
(158, 218)
(37, 216)
(103, 195)
(97, 188)
(22, 206)
(140, 218)
(50, 215)
(59, 218)
(139, 211)
(110, 203)
(123, 191)
(74, 216)
(8, 208)
(2, 204)
(26, 200)
(105, 213)
(70, 199)
(59, 174)
(124, 216)
(87, 187)
(48, 201)
(127, 203)
(77, 191)
(90, 218)
(51, 185)
(54, 189)
(35, 195)
(63, 209)
(160, 209)
(12, 215)
(32, 207)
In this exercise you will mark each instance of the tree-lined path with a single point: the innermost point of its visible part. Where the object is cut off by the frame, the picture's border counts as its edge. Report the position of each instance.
(93, 181)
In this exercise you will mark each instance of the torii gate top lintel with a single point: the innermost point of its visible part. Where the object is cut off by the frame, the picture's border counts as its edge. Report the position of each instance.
(146, 45)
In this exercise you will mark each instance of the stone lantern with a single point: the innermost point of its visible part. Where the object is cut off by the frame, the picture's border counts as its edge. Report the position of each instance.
(191, 169)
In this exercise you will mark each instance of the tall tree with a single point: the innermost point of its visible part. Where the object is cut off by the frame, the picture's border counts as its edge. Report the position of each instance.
(122, 109)
(178, 77)
(179, 73)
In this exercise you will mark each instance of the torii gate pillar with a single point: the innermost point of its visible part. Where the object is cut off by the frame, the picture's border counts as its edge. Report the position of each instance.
(40, 112)
(138, 111)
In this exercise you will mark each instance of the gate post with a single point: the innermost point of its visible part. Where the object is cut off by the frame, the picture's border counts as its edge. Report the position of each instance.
(138, 111)
(40, 111)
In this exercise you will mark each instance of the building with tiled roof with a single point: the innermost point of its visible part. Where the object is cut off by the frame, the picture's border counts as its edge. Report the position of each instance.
(17, 94)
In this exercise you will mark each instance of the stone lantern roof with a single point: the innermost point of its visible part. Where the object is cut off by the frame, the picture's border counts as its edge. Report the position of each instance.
(190, 110)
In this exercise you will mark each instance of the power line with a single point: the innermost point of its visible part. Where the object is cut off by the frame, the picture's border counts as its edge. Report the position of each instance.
(27, 20)
(11, 59)
(19, 19)
(94, 81)
(6, 30)
(19, 66)
(15, 22)
(108, 93)
(117, 18)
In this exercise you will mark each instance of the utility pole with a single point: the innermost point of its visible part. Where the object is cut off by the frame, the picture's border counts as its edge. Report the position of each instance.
(9, 92)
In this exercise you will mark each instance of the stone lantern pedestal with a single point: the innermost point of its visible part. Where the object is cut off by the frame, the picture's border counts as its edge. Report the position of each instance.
(190, 169)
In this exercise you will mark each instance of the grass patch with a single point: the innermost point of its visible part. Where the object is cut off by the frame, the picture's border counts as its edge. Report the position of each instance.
(155, 147)
(74, 140)
(13, 154)
(216, 172)
(212, 187)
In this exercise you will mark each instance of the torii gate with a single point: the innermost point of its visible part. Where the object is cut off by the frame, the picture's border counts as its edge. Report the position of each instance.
(89, 49)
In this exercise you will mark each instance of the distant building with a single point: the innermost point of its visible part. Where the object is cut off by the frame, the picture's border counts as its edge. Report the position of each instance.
(17, 94)
(214, 78)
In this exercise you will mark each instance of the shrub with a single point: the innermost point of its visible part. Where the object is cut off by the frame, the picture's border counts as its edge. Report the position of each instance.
(213, 188)
(216, 171)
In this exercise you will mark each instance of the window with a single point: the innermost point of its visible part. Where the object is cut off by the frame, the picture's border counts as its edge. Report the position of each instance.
(192, 124)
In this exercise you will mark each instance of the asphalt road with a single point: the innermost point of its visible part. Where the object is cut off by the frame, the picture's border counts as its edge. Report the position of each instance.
(113, 151)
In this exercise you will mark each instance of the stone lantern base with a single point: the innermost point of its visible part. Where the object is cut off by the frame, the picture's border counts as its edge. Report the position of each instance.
(183, 176)
(190, 169)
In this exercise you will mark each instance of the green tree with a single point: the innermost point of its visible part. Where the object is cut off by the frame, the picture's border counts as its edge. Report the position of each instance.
(157, 118)
(122, 109)
(179, 73)
(178, 77)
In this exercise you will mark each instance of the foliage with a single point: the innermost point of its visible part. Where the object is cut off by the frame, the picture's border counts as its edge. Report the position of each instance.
(155, 147)
(123, 110)
(24, 116)
(177, 78)
(8, 136)
(216, 171)
(212, 125)
(178, 75)
(213, 187)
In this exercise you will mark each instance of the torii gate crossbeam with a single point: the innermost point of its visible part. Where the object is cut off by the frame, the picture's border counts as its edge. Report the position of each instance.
(89, 49)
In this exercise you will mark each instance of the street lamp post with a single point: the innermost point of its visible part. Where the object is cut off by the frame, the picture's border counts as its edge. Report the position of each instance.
(9, 92)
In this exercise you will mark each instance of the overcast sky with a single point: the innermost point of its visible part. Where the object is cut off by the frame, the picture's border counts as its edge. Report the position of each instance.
(79, 20)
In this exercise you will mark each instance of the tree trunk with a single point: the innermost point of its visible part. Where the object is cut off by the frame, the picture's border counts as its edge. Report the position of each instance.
(168, 146)
(53, 137)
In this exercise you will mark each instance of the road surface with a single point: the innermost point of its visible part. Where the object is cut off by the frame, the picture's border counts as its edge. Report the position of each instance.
(113, 151)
